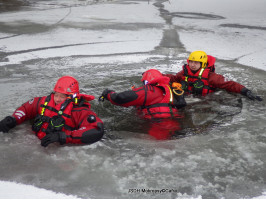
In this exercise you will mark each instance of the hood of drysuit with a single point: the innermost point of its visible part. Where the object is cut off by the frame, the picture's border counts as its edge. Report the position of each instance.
(154, 76)
(211, 61)
(86, 97)
(160, 80)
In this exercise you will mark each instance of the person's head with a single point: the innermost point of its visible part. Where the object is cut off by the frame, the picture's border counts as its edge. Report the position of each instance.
(197, 59)
(153, 76)
(64, 87)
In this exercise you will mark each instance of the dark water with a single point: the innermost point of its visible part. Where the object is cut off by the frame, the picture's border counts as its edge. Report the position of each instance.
(218, 153)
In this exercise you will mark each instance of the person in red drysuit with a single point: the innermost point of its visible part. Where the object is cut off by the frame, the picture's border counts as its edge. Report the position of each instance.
(154, 101)
(199, 77)
(64, 116)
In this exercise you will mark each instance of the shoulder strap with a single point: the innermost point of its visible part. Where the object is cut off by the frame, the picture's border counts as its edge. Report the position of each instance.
(201, 72)
(46, 101)
(185, 69)
(185, 72)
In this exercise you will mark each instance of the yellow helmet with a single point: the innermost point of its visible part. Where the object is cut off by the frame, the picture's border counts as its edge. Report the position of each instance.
(199, 56)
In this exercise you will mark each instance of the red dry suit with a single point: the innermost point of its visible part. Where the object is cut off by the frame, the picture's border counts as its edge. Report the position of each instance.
(152, 102)
(191, 82)
(81, 125)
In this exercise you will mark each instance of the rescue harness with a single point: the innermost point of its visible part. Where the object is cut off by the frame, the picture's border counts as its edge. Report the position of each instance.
(197, 83)
(56, 122)
(173, 100)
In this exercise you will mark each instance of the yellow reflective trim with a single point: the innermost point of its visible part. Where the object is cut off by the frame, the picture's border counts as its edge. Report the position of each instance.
(201, 71)
(171, 94)
(43, 109)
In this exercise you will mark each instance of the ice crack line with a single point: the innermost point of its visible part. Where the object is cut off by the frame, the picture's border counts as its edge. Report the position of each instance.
(4, 54)
(69, 12)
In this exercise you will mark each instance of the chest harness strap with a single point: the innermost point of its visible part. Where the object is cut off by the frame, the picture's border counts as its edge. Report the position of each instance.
(56, 122)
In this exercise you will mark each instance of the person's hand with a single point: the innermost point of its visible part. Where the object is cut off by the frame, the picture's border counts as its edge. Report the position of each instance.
(246, 92)
(51, 137)
(7, 124)
(105, 94)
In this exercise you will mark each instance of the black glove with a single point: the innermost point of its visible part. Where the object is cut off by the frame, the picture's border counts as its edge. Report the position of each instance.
(250, 95)
(51, 137)
(7, 123)
(105, 94)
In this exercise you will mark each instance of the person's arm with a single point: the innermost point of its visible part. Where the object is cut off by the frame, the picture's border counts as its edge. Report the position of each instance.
(218, 81)
(175, 78)
(89, 129)
(146, 95)
(126, 98)
(26, 111)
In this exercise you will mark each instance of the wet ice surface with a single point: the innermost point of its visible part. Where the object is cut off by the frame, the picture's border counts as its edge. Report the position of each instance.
(219, 153)
(223, 25)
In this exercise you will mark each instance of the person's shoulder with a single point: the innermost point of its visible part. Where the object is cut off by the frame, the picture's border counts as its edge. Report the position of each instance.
(180, 72)
(83, 107)
(34, 100)
(137, 89)
(215, 78)
(214, 74)
(78, 111)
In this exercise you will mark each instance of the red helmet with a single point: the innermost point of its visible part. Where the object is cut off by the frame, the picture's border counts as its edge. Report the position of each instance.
(154, 76)
(67, 85)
